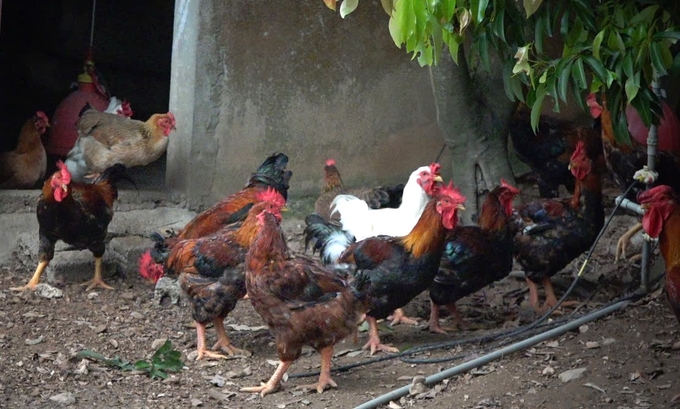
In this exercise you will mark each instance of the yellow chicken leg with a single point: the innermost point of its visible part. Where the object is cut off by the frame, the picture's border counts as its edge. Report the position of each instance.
(97, 279)
(223, 341)
(374, 338)
(200, 344)
(623, 242)
(273, 382)
(398, 317)
(35, 279)
(325, 380)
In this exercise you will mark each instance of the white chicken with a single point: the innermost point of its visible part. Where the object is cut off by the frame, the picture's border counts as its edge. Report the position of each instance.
(362, 222)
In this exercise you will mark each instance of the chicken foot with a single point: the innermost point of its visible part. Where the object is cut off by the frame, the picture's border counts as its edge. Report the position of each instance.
(374, 338)
(550, 297)
(200, 344)
(223, 342)
(273, 382)
(97, 279)
(35, 279)
(398, 317)
(435, 326)
(325, 380)
(624, 241)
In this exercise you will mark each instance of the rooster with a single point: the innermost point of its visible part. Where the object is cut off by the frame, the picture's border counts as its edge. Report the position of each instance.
(211, 272)
(25, 166)
(662, 220)
(359, 220)
(376, 197)
(547, 151)
(556, 231)
(301, 302)
(394, 270)
(271, 173)
(105, 139)
(79, 215)
(624, 160)
(475, 256)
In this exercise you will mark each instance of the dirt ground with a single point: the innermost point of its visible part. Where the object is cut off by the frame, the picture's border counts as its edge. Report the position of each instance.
(631, 358)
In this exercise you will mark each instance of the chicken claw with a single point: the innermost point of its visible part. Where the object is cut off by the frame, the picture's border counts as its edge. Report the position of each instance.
(623, 242)
(320, 386)
(223, 341)
(399, 317)
(374, 343)
(272, 384)
(34, 280)
(97, 279)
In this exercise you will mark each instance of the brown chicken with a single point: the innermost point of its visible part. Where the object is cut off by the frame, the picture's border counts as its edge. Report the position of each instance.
(79, 215)
(624, 160)
(556, 231)
(662, 220)
(391, 271)
(301, 302)
(375, 197)
(475, 256)
(25, 166)
(271, 173)
(107, 139)
(211, 272)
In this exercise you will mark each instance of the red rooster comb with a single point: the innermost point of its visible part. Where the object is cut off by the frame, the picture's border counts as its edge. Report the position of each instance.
(272, 196)
(172, 118)
(580, 152)
(452, 192)
(330, 162)
(510, 187)
(41, 115)
(434, 168)
(595, 107)
(656, 193)
(148, 268)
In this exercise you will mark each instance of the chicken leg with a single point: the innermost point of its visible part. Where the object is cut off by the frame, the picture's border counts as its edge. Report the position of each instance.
(623, 242)
(273, 382)
(200, 344)
(374, 338)
(398, 317)
(325, 380)
(97, 279)
(223, 342)
(434, 318)
(35, 279)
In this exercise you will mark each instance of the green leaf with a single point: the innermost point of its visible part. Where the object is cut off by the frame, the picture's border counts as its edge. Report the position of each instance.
(631, 88)
(395, 32)
(597, 42)
(675, 35)
(563, 77)
(579, 73)
(478, 8)
(388, 6)
(539, 32)
(597, 67)
(537, 106)
(483, 50)
(142, 365)
(615, 42)
(645, 16)
(584, 13)
(347, 7)
(530, 6)
(657, 59)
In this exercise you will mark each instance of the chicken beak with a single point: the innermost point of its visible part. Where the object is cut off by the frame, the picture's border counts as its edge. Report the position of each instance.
(64, 188)
(460, 207)
(284, 209)
(438, 179)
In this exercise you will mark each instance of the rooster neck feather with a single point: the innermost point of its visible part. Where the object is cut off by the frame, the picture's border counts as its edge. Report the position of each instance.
(492, 216)
(591, 184)
(428, 233)
(668, 242)
(333, 179)
(268, 249)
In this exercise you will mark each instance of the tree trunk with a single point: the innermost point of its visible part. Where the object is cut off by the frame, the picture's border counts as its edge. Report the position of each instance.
(474, 113)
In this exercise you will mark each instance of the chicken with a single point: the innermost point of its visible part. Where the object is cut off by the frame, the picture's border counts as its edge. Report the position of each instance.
(623, 161)
(79, 215)
(375, 197)
(301, 302)
(271, 173)
(475, 256)
(25, 166)
(553, 232)
(106, 139)
(547, 151)
(394, 270)
(211, 272)
(662, 220)
(118, 107)
(359, 220)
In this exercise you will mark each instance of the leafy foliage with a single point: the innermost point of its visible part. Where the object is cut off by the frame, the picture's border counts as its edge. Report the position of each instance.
(617, 48)
(164, 360)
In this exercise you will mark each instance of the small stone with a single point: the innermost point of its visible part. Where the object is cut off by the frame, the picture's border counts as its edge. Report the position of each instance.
(583, 329)
(418, 386)
(549, 370)
(592, 345)
(100, 328)
(196, 402)
(113, 342)
(136, 315)
(92, 295)
(571, 374)
(608, 341)
(65, 398)
(34, 341)
(47, 291)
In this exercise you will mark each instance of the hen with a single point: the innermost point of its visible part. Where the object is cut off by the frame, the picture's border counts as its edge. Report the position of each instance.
(25, 166)
(394, 270)
(623, 161)
(359, 220)
(301, 302)
(662, 220)
(475, 256)
(547, 151)
(106, 139)
(211, 272)
(375, 197)
(79, 215)
(556, 231)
